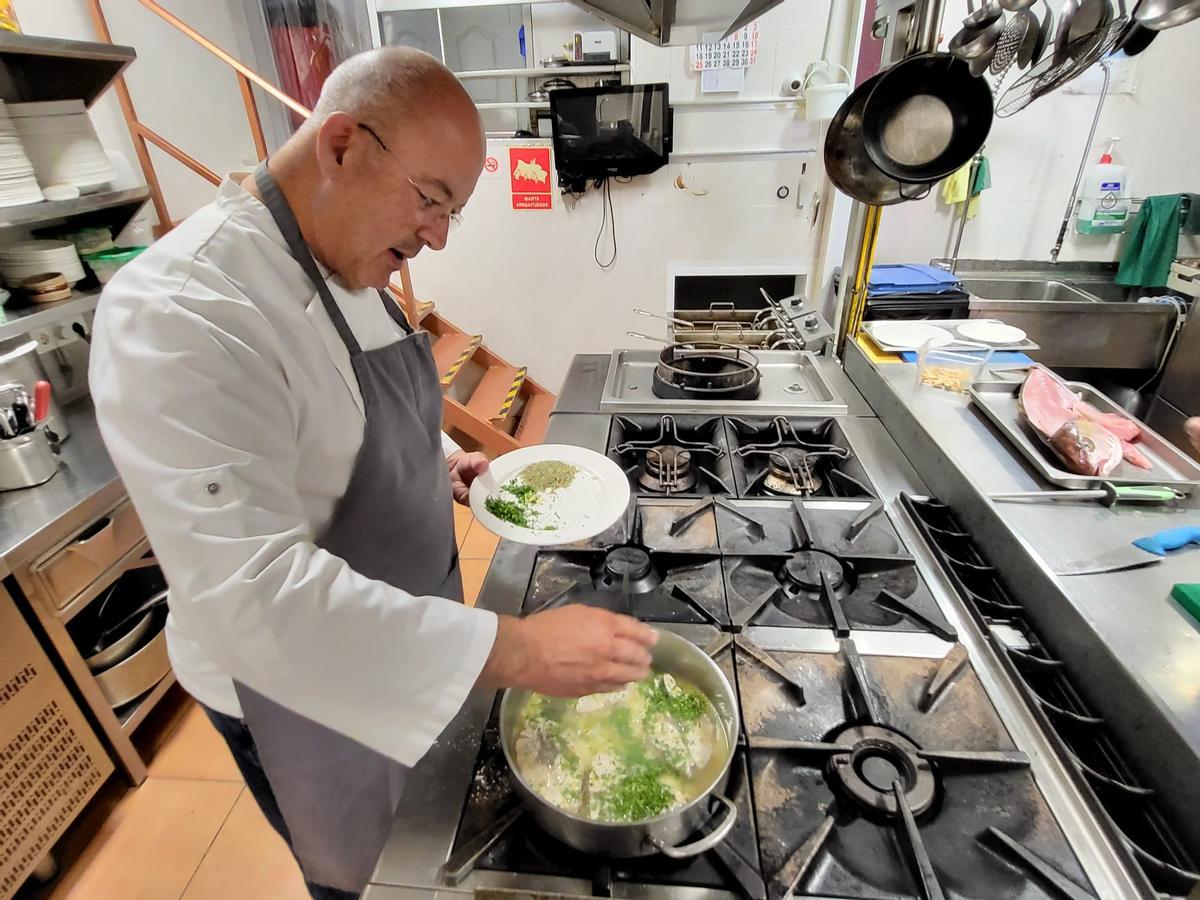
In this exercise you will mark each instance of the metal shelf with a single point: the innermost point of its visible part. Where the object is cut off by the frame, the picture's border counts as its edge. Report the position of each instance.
(515, 104)
(18, 321)
(106, 206)
(36, 68)
(546, 72)
(134, 714)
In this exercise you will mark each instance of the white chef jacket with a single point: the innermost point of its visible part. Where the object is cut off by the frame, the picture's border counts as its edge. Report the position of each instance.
(230, 408)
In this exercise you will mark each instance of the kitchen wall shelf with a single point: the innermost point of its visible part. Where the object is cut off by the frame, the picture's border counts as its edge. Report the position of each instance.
(112, 208)
(546, 72)
(22, 319)
(515, 104)
(36, 68)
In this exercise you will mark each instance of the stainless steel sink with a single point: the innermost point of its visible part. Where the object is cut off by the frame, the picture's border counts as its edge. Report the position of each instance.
(1106, 291)
(1014, 289)
(1076, 327)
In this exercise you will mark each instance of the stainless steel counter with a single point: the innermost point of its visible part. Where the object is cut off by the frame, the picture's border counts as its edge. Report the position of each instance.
(1134, 653)
(86, 479)
(424, 831)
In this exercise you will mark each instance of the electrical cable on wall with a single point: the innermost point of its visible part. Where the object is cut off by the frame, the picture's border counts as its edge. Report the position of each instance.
(608, 220)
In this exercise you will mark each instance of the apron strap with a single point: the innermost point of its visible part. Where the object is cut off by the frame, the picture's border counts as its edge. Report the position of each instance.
(393, 310)
(282, 213)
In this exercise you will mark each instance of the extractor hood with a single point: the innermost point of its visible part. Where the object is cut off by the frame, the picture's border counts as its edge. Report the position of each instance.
(666, 22)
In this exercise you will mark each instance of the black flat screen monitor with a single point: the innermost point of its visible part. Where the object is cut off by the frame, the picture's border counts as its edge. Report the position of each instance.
(617, 130)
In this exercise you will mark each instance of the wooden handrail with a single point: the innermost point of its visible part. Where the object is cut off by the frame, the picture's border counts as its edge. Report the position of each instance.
(256, 132)
(139, 143)
(175, 153)
(245, 71)
(141, 133)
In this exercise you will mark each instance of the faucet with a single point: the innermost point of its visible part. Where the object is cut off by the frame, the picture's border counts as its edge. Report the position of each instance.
(1070, 210)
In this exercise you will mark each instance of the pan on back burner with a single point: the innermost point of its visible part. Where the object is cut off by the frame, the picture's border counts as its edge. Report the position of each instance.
(706, 370)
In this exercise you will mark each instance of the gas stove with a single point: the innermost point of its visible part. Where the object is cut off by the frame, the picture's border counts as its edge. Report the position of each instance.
(673, 455)
(894, 778)
(871, 763)
(787, 457)
(779, 456)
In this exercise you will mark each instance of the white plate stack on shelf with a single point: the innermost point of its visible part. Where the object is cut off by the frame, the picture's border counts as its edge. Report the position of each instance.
(28, 258)
(61, 142)
(17, 182)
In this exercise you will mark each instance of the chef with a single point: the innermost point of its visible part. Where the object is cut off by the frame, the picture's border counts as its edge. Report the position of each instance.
(277, 424)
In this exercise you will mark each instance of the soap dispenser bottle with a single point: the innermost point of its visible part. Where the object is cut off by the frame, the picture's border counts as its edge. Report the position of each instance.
(1104, 201)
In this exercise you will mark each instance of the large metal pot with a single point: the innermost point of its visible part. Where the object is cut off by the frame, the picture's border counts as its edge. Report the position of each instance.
(662, 834)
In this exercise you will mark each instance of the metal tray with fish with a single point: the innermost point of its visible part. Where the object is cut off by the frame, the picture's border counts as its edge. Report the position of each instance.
(1168, 464)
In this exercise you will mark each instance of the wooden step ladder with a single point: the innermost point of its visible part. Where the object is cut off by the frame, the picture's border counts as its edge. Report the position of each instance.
(488, 404)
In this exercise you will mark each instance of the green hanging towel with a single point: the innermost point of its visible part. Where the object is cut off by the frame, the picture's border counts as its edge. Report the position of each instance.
(1153, 243)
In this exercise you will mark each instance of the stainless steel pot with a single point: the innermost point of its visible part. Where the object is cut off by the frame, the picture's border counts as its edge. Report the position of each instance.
(662, 834)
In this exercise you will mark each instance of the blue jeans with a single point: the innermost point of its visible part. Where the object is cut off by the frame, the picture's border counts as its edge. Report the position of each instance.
(245, 754)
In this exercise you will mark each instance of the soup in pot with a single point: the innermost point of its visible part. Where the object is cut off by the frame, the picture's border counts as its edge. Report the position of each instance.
(623, 756)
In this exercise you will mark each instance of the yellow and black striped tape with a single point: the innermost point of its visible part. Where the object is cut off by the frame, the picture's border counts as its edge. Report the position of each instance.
(467, 353)
(512, 393)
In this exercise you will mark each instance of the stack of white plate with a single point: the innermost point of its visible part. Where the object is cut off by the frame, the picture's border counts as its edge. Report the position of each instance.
(28, 258)
(17, 182)
(62, 144)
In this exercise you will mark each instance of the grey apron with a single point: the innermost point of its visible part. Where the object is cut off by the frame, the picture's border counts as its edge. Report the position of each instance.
(395, 523)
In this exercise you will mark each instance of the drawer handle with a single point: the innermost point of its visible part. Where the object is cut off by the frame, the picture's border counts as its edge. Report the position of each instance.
(99, 547)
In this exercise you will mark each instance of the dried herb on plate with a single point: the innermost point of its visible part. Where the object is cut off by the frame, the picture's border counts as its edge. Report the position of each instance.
(548, 475)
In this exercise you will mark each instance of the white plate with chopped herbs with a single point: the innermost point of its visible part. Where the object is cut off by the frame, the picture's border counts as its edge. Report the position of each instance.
(550, 494)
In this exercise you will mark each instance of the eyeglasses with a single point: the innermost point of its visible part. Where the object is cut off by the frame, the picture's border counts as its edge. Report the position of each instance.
(428, 204)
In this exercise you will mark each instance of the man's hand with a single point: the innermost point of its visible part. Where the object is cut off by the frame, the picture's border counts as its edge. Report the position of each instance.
(463, 469)
(569, 652)
(1192, 427)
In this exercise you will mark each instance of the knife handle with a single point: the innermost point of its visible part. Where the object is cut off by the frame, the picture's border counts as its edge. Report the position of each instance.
(1144, 493)
(1171, 539)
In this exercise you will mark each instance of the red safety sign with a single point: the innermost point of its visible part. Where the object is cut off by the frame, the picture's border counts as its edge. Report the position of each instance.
(491, 164)
(529, 173)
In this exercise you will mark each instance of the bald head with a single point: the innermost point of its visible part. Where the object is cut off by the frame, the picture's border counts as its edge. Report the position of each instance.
(389, 157)
(390, 86)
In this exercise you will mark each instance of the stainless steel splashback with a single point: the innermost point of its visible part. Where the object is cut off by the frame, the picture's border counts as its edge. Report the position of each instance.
(664, 22)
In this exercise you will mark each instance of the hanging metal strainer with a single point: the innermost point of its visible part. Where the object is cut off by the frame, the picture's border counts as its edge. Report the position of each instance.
(1008, 46)
(1047, 76)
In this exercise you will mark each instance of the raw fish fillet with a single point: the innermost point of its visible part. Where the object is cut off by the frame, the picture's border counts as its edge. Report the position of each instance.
(1134, 456)
(1118, 425)
(1047, 404)
(1086, 448)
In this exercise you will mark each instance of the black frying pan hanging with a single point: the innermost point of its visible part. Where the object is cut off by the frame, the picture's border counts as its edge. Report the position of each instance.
(846, 160)
(926, 117)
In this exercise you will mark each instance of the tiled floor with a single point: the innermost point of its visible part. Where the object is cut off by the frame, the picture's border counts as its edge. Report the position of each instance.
(192, 831)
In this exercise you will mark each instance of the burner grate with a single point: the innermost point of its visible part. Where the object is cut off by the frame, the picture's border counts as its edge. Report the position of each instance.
(838, 568)
(680, 588)
(1134, 809)
(670, 456)
(861, 796)
(781, 457)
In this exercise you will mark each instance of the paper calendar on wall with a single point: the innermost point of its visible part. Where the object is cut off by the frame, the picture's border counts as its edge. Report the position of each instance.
(737, 51)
